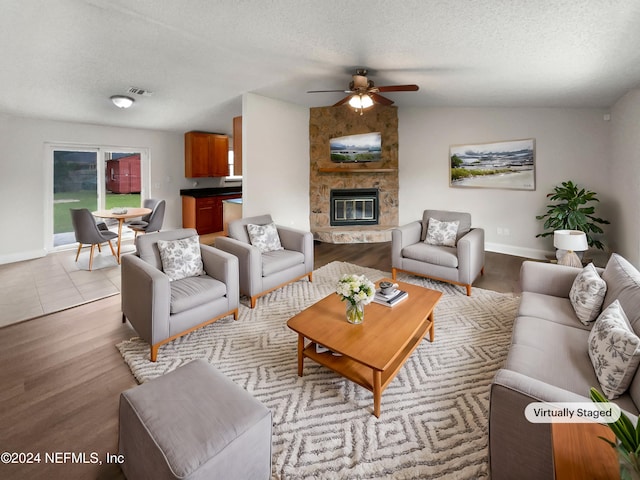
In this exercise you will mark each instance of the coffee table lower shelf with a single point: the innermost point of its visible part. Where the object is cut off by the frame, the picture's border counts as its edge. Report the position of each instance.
(374, 380)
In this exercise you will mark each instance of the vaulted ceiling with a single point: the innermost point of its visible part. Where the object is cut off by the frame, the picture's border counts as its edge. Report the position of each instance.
(63, 59)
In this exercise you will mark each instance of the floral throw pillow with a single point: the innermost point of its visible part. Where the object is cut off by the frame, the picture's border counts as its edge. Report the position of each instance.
(265, 237)
(587, 294)
(442, 233)
(181, 258)
(614, 350)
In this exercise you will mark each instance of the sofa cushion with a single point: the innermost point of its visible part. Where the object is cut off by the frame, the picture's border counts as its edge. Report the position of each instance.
(550, 308)
(279, 260)
(191, 292)
(555, 368)
(181, 258)
(552, 353)
(433, 254)
(147, 245)
(442, 233)
(264, 237)
(623, 284)
(614, 350)
(446, 216)
(238, 228)
(587, 294)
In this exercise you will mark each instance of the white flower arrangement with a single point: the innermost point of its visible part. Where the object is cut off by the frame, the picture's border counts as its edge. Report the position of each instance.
(356, 289)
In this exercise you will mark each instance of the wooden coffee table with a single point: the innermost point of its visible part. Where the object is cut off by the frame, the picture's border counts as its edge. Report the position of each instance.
(373, 352)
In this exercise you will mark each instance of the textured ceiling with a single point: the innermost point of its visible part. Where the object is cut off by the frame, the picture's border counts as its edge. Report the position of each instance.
(63, 59)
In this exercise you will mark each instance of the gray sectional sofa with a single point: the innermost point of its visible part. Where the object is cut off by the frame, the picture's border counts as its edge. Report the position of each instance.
(549, 360)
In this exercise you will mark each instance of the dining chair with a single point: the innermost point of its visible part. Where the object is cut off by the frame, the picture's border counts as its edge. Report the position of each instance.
(151, 222)
(149, 203)
(88, 233)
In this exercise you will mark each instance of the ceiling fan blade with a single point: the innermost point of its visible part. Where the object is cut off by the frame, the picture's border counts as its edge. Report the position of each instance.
(326, 91)
(398, 88)
(343, 101)
(380, 99)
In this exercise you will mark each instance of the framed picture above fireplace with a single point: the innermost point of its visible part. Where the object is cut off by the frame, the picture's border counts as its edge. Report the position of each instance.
(360, 148)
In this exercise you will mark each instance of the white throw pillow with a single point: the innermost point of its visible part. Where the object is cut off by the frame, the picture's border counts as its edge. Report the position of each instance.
(442, 233)
(614, 351)
(587, 294)
(181, 258)
(265, 237)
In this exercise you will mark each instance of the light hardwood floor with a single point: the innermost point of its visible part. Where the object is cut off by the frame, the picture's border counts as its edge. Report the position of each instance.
(61, 374)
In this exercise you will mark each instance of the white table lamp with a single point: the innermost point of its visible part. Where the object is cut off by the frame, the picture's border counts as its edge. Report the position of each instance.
(571, 241)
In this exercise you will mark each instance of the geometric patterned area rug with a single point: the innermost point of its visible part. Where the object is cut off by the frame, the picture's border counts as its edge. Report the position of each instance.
(433, 421)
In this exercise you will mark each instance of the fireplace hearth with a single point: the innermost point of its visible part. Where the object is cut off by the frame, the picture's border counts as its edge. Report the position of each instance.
(354, 206)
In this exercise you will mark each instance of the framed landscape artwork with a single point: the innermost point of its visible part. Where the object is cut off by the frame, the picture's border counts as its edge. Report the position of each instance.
(508, 164)
(364, 147)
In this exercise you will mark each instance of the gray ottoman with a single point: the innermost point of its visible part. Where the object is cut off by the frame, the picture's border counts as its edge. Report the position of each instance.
(194, 423)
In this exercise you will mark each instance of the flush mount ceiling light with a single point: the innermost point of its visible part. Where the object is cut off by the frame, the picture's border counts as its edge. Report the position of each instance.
(122, 101)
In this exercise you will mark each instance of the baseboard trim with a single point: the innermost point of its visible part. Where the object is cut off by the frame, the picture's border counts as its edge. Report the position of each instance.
(518, 251)
(21, 256)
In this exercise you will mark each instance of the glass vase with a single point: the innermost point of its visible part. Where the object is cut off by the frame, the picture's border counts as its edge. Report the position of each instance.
(355, 312)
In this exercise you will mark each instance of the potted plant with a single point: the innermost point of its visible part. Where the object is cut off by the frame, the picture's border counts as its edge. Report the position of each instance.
(627, 446)
(572, 212)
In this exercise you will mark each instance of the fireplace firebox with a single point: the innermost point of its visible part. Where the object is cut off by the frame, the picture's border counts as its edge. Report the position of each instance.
(354, 206)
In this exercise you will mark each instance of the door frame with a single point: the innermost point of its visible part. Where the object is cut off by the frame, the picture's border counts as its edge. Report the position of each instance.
(50, 147)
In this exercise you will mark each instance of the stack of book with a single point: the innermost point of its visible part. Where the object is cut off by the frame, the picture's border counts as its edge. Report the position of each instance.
(390, 299)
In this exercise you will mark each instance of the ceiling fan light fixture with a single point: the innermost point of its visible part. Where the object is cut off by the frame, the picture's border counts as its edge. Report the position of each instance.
(122, 101)
(360, 101)
(367, 101)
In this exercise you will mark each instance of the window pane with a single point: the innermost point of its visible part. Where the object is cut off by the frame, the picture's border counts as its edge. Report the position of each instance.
(122, 180)
(74, 186)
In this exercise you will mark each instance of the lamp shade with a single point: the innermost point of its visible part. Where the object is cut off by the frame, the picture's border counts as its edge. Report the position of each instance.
(360, 101)
(573, 240)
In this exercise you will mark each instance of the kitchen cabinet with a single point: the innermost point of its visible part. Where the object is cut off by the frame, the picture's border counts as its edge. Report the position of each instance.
(237, 146)
(205, 214)
(206, 155)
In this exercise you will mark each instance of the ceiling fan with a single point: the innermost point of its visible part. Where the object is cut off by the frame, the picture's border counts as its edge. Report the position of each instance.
(363, 93)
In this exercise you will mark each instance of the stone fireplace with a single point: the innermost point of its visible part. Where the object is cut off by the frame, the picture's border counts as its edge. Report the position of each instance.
(382, 176)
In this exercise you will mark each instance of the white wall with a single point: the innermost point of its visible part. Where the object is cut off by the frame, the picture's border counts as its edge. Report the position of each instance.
(22, 174)
(625, 176)
(571, 144)
(275, 156)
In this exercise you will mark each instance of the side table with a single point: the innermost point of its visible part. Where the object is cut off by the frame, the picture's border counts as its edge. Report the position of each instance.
(579, 453)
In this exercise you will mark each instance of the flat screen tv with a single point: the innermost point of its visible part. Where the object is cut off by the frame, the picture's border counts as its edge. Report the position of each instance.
(365, 147)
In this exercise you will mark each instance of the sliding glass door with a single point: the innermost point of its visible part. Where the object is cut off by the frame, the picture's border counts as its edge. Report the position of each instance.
(94, 178)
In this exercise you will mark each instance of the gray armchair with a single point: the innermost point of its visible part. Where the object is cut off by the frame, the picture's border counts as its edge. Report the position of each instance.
(161, 310)
(261, 273)
(459, 264)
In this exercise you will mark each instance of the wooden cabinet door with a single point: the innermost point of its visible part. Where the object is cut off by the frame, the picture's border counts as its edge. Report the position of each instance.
(196, 155)
(219, 155)
(206, 155)
(237, 146)
(217, 215)
(205, 215)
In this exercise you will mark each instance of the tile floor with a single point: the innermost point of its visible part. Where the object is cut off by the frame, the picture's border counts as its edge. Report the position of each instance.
(56, 282)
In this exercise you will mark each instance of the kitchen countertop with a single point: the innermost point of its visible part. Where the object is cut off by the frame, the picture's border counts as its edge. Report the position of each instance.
(210, 192)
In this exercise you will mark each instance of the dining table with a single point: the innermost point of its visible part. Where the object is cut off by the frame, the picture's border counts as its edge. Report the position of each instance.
(121, 216)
